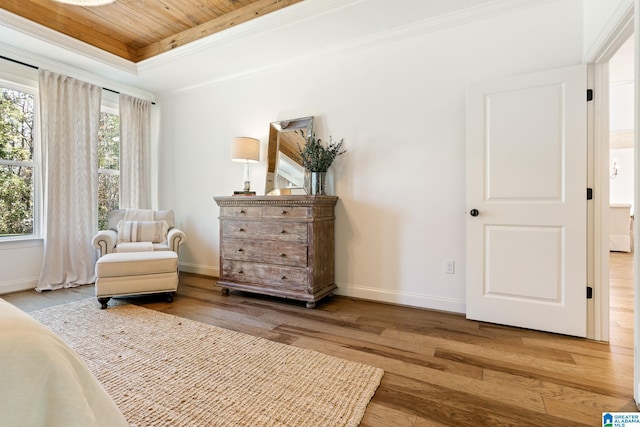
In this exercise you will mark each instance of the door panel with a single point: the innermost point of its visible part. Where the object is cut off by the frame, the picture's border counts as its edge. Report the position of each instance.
(508, 258)
(526, 175)
(533, 114)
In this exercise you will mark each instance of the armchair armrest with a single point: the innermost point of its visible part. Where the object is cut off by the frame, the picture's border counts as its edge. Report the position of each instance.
(175, 238)
(105, 241)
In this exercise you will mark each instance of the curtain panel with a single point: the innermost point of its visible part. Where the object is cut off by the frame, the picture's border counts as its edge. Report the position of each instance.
(70, 118)
(135, 147)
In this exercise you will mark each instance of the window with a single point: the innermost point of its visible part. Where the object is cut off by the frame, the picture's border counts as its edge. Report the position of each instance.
(20, 197)
(108, 166)
(18, 162)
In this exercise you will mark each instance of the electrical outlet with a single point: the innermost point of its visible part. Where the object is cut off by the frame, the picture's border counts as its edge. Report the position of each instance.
(450, 266)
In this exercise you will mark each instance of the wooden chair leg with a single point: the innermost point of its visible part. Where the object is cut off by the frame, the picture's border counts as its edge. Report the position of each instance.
(103, 302)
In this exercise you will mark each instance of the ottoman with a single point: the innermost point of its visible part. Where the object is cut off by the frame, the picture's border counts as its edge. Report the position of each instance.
(136, 273)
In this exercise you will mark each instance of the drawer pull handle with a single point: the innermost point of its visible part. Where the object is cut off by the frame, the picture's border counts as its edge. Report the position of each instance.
(283, 255)
(284, 277)
(242, 229)
(240, 272)
(240, 250)
(283, 212)
(242, 211)
(283, 231)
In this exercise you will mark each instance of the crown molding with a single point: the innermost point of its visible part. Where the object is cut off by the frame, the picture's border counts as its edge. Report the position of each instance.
(275, 20)
(71, 71)
(81, 56)
(416, 29)
(450, 20)
(310, 9)
(42, 33)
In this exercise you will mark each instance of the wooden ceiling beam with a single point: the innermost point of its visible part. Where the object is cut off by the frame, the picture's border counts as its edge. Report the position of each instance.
(247, 13)
(64, 19)
(139, 29)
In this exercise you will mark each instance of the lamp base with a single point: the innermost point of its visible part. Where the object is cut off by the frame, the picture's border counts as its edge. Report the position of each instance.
(244, 193)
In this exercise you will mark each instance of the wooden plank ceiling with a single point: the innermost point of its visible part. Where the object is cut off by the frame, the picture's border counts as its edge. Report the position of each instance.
(140, 29)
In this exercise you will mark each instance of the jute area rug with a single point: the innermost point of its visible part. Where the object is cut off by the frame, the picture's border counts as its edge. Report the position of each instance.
(163, 370)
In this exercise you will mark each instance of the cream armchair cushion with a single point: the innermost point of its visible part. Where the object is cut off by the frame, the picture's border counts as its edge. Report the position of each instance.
(109, 241)
(142, 231)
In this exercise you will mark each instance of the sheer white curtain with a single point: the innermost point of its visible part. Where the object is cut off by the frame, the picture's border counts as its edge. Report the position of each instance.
(135, 147)
(70, 117)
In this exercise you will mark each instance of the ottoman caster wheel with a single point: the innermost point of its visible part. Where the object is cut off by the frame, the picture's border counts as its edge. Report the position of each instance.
(170, 297)
(225, 292)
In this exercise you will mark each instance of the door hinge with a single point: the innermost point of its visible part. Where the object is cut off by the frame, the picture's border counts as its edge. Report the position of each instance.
(589, 95)
(589, 193)
(589, 292)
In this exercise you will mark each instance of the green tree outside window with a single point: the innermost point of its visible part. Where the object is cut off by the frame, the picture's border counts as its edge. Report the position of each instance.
(16, 163)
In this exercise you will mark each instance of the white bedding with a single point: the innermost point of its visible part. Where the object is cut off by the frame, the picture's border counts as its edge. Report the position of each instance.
(43, 382)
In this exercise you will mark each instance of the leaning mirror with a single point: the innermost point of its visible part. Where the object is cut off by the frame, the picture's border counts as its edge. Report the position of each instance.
(285, 174)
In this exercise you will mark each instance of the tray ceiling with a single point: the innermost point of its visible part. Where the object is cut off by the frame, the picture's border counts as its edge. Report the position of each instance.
(140, 29)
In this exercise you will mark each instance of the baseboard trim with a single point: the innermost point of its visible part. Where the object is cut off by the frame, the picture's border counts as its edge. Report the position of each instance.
(404, 298)
(205, 270)
(430, 302)
(18, 285)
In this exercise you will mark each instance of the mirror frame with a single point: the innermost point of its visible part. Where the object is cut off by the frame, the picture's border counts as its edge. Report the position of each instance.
(276, 129)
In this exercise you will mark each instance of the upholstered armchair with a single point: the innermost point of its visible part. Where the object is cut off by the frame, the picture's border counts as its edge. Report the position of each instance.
(139, 230)
(138, 254)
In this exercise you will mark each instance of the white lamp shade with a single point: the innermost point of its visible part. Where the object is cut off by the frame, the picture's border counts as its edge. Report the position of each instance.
(245, 149)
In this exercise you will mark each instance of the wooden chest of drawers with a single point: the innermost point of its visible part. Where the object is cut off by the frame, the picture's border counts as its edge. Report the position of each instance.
(278, 245)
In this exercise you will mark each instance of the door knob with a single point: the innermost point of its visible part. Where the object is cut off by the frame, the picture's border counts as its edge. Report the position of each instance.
(474, 212)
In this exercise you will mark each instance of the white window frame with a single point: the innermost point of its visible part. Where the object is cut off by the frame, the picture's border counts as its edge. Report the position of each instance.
(26, 85)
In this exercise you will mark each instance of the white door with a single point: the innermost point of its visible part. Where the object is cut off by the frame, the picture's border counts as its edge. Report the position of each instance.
(526, 186)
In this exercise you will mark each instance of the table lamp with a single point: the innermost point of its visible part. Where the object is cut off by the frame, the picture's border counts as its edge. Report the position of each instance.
(246, 150)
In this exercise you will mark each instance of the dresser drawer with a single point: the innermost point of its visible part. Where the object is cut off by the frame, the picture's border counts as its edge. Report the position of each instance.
(241, 211)
(243, 250)
(281, 253)
(286, 212)
(265, 230)
(285, 278)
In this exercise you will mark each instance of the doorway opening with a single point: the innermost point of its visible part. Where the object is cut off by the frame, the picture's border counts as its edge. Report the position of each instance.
(621, 194)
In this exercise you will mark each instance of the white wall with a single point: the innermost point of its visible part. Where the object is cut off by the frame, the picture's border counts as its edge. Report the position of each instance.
(400, 106)
(622, 186)
(621, 106)
(20, 263)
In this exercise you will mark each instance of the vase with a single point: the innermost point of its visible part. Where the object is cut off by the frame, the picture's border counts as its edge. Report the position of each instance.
(315, 183)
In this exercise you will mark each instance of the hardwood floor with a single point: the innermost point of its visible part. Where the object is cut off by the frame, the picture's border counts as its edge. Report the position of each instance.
(440, 369)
